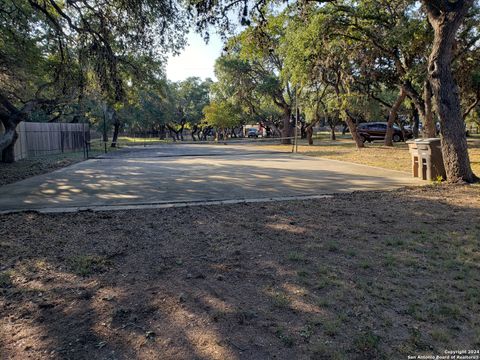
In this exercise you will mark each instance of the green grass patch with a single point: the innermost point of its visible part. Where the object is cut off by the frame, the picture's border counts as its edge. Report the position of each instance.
(365, 264)
(280, 300)
(331, 327)
(367, 343)
(296, 256)
(332, 247)
(287, 339)
(325, 350)
(6, 279)
(303, 273)
(440, 335)
(85, 265)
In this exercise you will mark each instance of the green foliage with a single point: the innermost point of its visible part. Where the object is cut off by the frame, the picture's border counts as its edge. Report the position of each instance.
(222, 115)
(87, 265)
(73, 61)
(191, 96)
(250, 74)
(5, 279)
(367, 342)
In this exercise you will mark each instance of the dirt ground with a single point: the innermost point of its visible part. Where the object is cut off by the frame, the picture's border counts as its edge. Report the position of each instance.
(23, 169)
(366, 275)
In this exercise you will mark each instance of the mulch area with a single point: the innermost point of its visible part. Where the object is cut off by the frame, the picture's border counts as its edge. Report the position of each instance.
(359, 276)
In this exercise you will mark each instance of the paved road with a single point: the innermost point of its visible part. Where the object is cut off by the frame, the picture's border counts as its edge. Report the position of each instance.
(176, 173)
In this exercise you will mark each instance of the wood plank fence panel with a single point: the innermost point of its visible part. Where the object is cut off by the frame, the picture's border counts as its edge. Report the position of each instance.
(37, 139)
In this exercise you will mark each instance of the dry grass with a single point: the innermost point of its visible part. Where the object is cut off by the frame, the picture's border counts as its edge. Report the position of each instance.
(375, 154)
(130, 140)
(368, 275)
(23, 169)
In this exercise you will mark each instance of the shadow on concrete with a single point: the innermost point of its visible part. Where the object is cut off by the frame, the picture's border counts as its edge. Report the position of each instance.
(159, 180)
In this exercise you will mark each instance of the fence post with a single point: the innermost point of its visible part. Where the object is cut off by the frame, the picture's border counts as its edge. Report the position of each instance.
(105, 131)
(62, 140)
(84, 141)
(26, 142)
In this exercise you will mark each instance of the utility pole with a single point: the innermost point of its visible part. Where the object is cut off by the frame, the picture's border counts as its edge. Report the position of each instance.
(297, 114)
(296, 121)
(295, 126)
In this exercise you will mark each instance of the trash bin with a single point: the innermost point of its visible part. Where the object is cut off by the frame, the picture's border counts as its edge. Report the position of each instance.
(427, 159)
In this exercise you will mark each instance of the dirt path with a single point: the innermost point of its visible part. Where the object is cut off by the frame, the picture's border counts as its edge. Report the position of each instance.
(363, 275)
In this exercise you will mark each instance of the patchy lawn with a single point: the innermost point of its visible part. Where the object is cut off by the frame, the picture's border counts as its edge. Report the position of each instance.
(25, 168)
(375, 154)
(363, 275)
(131, 140)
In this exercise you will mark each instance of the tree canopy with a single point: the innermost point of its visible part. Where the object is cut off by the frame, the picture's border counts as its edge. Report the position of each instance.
(340, 61)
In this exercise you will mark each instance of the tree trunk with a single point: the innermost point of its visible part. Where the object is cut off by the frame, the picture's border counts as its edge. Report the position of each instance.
(303, 131)
(402, 129)
(7, 140)
(204, 133)
(429, 129)
(445, 18)
(275, 132)
(332, 123)
(162, 134)
(116, 129)
(194, 132)
(181, 131)
(8, 152)
(287, 129)
(352, 126)
(333, 136)
(10, 117)
(415, 120)
(423, 106)
(392, 116)
(309, 131)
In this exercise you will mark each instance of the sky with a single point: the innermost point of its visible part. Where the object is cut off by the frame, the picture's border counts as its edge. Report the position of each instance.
(197, 59)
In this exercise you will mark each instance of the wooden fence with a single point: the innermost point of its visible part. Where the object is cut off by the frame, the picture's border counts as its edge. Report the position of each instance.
(38, 139)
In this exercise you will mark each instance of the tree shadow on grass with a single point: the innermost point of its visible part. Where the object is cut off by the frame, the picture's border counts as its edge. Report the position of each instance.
(365, 275)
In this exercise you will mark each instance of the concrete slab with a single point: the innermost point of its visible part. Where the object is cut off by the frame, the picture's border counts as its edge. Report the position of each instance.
(165, 174)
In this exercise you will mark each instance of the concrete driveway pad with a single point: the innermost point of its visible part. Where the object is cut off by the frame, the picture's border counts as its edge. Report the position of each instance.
(162, 174)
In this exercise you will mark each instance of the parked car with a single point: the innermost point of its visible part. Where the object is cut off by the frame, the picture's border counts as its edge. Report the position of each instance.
(377, 130)
(252, 133)
(410, 127)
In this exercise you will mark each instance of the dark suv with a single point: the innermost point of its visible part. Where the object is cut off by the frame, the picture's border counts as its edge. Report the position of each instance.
(377, 130)
(252, 133)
